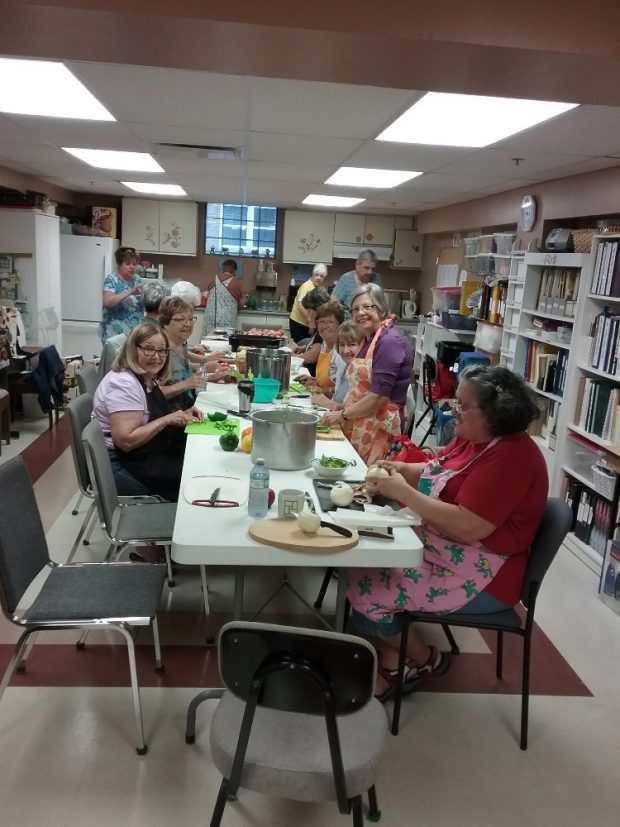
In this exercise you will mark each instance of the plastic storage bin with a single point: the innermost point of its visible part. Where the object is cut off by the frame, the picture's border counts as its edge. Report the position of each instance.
(472, 246)
(503, 243)
(446, 298)
(488, 337)
(454, 321)
(485, 264)
(487, 244)
(502, 266)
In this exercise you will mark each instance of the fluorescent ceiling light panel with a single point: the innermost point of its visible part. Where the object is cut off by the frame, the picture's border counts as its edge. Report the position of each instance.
(331, 201)
(154, 189)
(41, 87)
(468, 120)
(116, 159)
(377, 178)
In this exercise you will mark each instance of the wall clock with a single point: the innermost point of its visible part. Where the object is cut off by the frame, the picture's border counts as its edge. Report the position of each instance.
(528, 213)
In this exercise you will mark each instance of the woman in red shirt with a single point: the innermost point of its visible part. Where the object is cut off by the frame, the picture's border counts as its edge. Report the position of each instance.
(480, 500)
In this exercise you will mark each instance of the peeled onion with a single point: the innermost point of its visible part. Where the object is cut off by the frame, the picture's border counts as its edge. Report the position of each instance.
(376, 471)
(341, 494)
(308, 522)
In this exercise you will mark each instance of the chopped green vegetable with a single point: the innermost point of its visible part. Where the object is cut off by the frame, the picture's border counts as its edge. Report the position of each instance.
(235, 374)
(229, 442)
(323, 429)
(226, 426)
(335, 462)
(217, 416)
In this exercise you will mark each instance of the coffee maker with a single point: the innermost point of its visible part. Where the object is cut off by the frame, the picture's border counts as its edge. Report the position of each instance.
(266, 284)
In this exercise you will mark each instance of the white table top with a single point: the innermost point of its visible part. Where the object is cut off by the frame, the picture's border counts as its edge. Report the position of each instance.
(219, 536)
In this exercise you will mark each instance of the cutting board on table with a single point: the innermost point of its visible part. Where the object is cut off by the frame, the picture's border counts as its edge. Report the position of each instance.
(335, 433)
(287, 534)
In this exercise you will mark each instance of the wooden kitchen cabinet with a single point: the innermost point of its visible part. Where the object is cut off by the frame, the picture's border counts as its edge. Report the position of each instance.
(308, 237)
(407, 250)
(160, 226)
(368, 230)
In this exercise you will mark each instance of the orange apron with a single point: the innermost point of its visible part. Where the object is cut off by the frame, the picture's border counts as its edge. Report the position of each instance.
(322, 371)
(371, 436)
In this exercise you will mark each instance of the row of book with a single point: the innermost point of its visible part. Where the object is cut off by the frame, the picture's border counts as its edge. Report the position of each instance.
(492, 306)
(598, 403)
(545, 367)
(558, 291)
(606, 273)
(545, 425)
(593, 516)
(605, 348)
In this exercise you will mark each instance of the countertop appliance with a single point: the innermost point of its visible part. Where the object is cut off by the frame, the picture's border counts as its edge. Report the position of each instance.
(84, 263)
(394, 299)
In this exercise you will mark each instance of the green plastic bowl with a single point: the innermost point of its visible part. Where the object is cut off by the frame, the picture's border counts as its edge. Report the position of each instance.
(265, 390)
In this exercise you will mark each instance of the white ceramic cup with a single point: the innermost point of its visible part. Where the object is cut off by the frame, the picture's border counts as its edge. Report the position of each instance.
(290, 503)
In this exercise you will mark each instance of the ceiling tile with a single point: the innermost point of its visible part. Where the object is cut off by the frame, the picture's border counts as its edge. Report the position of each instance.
(586, 130)
(299, 149)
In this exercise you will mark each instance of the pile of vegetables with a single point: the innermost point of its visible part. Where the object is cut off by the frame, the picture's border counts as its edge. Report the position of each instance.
(335, 462)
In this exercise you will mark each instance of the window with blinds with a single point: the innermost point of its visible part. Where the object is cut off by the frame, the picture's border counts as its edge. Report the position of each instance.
(240, 230)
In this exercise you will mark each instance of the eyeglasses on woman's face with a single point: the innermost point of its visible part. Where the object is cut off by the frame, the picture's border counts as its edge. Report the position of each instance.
(362, 308)
(462, 407)
(150, 351)
(183, 320)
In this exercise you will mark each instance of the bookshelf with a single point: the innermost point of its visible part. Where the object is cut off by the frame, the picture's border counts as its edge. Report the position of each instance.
(538, 339)
(592, 402)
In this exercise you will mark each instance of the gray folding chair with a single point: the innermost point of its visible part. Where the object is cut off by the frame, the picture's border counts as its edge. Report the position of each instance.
(113, 596)
(78, 413)
(297, 718)
(125, 524)
(87, 379)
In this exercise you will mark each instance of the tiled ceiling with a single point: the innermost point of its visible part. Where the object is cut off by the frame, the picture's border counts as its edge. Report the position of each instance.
(292, 134)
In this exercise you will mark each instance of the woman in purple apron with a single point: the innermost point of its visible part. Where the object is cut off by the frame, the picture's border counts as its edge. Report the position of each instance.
(481, 500)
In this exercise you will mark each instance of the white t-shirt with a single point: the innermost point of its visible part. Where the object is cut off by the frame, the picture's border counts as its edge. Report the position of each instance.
(118, 391)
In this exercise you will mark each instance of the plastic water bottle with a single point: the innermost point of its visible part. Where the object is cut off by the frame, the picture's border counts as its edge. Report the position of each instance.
(258, 498)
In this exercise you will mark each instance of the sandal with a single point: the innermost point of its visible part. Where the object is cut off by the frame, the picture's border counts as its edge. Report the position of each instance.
(437, 663)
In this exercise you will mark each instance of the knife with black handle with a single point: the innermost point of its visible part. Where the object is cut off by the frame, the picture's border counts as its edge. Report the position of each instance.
(339, 529)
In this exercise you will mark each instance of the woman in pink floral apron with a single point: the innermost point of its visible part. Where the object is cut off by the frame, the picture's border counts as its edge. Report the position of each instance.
(378, 378)
(481, 500)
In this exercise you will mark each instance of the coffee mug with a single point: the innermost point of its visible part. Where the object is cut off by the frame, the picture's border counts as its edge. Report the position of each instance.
(290, 503)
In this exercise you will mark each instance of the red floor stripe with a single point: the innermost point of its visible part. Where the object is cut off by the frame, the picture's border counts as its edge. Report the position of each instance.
(45, 449)
(196, 666)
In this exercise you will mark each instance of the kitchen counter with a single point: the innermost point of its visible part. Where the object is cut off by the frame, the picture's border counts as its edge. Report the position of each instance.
(246, 311)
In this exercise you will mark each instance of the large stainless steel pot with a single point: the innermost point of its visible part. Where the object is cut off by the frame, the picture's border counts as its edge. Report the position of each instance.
(285, 438)
(266, 363)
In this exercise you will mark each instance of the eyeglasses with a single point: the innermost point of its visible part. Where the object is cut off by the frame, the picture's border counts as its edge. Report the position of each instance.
(461, 408)
(184, 320)
(363, 308)
(149, 351)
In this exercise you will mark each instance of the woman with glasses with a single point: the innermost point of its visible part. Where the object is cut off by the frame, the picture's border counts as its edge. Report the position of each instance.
(480, 500)
(177, 319)
(144, 436)
(379, 377)
(123, 307)
(328, 318)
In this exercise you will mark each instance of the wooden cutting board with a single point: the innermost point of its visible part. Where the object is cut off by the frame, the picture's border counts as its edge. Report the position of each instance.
(335, 433)
(287, 534)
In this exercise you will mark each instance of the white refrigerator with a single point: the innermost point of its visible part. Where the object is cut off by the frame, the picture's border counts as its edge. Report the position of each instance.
(84, 263)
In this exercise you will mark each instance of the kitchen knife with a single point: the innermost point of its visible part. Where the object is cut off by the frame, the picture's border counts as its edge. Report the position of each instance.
(344, 532)
(377, 535)
(237, 413)
(214, 496)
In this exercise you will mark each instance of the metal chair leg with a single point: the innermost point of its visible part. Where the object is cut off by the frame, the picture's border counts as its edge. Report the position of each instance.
(525, 690)
(454, 647)
(357, 812)
(142, 748)
(81, 532)
(24, 653)
(91, 528)
(318, 603)
(218, 810)
(190, 725)
(374, 813)
(15, 659)
(76, 507)
(499, 655)
(81, 644)
(159, 666)
(171, 582)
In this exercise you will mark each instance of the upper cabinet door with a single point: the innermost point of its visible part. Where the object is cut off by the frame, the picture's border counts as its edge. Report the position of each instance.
(379, 229)
(141, 224)
(308, 237)
(407, 250)
(178, 227)
(349, 228)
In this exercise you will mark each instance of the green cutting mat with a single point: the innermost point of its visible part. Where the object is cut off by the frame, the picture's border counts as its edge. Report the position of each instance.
(208, 428)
